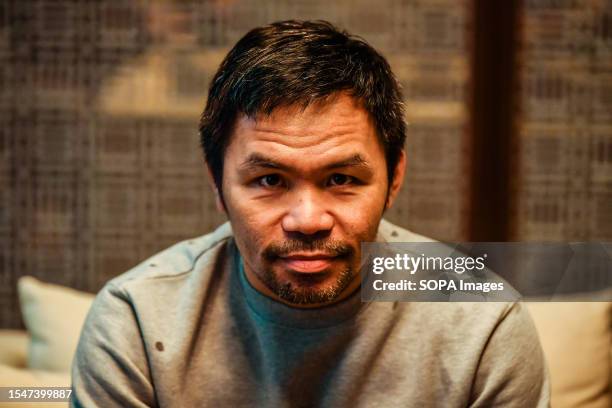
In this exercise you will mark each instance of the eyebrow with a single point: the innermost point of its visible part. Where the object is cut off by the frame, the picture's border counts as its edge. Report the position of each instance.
(256, 160)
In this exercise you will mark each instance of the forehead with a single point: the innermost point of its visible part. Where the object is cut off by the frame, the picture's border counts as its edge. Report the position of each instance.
(323, 130)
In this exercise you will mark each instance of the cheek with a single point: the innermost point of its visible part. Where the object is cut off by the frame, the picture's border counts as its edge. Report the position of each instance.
(251, 218)
(368, 205)
(359, 219)
(251, 225)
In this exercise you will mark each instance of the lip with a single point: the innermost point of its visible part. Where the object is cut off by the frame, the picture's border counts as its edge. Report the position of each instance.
(307, 263)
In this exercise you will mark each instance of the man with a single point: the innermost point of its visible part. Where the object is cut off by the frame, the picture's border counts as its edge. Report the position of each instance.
(303, 135)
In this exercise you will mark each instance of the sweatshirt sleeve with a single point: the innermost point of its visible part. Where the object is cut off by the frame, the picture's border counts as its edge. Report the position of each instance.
(512, 371)
(110, 368)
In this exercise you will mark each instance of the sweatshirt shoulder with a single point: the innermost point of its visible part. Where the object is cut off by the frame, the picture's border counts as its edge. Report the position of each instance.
(389, 232)
(176, 260)
(464, 317)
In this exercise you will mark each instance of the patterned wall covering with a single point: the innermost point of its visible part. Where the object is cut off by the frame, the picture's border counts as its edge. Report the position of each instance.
(99, 102)
(564, 186)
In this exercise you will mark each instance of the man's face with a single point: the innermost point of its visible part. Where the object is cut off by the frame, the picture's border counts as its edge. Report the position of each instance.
(302, 189)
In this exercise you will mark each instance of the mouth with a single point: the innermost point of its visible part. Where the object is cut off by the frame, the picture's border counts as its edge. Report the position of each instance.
(307, 263)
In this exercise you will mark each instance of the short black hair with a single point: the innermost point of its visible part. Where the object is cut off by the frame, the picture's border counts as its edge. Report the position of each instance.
(300, 62)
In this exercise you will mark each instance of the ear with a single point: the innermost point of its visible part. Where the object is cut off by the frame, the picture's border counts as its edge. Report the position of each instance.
(215, 189)
(398, 179)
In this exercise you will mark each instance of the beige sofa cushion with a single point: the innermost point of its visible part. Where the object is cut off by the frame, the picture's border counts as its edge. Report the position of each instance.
(53, 316)
(14, 347)
(16, 377)
(576, 338)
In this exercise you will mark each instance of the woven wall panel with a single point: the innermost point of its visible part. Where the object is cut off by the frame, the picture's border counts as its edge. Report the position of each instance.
(564, 180)
(100, 165)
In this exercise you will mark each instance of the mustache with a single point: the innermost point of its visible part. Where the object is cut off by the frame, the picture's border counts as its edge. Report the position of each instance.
(332, 248)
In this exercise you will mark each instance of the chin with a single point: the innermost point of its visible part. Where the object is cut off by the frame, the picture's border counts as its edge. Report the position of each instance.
(309, 288)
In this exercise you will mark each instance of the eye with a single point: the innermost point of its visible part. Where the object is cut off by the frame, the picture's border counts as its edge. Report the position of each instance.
(340, 180)
(270, 181)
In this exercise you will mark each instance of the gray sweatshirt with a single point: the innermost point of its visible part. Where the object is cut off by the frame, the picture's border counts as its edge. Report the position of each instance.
(186, 329)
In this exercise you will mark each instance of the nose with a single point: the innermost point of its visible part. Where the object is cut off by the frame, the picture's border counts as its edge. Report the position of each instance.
(307, 214)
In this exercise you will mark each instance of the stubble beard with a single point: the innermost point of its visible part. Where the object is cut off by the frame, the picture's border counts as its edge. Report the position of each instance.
(303, 290)
(305, 294)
